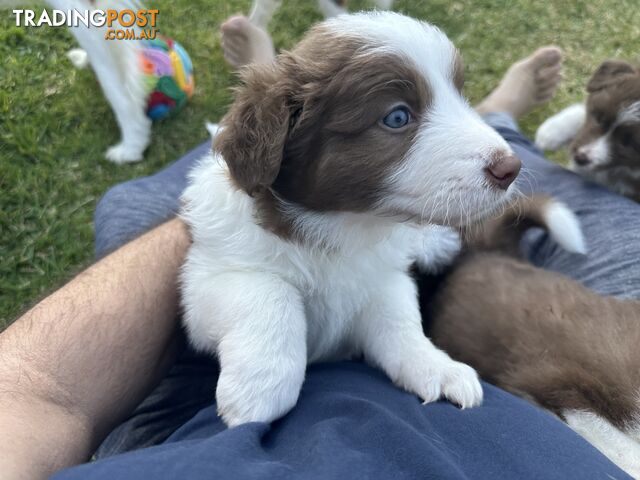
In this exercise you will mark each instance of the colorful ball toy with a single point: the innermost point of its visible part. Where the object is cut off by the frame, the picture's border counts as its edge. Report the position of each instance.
(167, 75)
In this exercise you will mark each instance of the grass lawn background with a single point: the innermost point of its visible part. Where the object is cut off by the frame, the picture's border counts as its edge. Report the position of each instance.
(55, 124)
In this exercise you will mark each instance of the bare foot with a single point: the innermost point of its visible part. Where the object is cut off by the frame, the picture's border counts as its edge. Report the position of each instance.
(529, 82)
(244, 43)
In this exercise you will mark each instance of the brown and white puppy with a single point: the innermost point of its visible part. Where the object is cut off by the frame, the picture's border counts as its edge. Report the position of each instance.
(543, 336)
(336, 168)
(604, 134)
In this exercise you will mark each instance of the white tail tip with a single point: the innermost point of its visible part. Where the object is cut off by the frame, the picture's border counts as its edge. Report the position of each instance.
(564, 227)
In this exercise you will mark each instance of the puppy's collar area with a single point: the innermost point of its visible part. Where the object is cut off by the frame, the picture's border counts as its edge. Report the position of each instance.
(330, 230)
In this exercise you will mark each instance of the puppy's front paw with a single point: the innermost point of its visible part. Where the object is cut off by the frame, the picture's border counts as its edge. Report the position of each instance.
(560, 129)
(122, 153)
(455, 381)
(461, 385)
(550, 136)
(244, 396)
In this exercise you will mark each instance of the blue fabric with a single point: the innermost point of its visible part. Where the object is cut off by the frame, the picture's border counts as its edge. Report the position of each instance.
(350, 421)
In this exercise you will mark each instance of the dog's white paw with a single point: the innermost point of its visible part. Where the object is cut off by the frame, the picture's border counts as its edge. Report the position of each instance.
(550, 137)
(440, 247)
(560, 129)
(122, 153)
(244, 397)
(456, 381)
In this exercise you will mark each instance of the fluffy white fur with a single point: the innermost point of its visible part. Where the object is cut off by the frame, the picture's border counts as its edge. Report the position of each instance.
(630, 114)
(622, 448)
(439, 246)
(598, 151)
(564, 227)
(267, 306)
(561, 128)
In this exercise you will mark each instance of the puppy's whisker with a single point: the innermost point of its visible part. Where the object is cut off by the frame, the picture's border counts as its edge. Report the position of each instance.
(529, 178)
(435, 207)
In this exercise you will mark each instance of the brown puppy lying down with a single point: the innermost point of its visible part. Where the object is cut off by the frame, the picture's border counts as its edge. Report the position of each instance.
(543, 336)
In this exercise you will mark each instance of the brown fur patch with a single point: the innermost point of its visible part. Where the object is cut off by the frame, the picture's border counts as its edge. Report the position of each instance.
(535, 333)
(609, 73)
(307, 128)
(542, 336)
(255, 129)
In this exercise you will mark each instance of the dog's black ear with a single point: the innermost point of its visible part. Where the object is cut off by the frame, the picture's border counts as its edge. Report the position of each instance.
(255, 129)
(610, 72)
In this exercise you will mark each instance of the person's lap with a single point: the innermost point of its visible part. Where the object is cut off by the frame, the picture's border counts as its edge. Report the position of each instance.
(351, 422)
(350, 416)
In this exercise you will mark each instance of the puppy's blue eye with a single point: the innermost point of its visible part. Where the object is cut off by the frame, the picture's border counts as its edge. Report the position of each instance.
(397, 118)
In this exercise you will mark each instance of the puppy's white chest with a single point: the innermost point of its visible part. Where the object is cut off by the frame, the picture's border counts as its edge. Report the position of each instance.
(337, 299)
(330, 316)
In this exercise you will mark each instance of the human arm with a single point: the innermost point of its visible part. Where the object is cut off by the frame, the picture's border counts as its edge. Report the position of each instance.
(78, 362)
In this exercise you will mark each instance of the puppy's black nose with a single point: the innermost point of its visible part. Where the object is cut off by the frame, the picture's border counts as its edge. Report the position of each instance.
(581, 159)
(503, 170)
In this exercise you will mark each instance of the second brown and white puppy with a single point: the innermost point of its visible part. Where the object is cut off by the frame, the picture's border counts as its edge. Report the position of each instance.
(543, 336)
(604, 134)
(336, 168)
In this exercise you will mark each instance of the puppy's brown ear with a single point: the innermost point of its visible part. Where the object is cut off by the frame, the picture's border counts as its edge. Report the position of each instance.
(610, 72)
(255, 129)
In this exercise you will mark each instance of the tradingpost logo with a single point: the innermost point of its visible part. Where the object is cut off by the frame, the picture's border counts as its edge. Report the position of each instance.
(126, 24)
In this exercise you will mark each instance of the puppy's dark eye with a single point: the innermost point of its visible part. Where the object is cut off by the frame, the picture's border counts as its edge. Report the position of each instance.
(628, 138)
(397, 118)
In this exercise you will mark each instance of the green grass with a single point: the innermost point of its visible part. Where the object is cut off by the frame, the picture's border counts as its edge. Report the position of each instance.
(55, 124)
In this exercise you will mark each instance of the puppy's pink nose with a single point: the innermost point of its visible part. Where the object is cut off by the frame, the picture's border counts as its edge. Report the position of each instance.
(503, 170)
